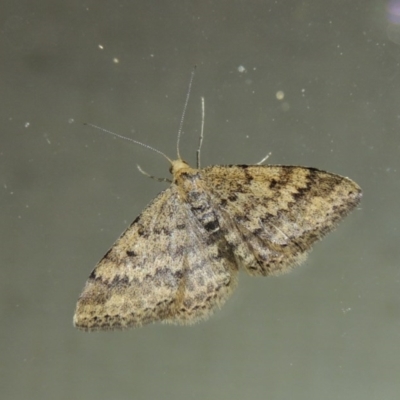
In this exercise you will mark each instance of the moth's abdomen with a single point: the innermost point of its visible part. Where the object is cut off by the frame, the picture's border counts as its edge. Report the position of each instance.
(197, 196)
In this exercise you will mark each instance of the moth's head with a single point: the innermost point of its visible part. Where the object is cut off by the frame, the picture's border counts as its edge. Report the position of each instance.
(177, 166)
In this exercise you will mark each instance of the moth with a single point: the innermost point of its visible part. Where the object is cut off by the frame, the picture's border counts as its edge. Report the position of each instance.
(179, 259)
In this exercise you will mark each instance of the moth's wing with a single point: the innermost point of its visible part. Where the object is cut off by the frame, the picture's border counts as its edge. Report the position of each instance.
(274, 214)
(161, 268)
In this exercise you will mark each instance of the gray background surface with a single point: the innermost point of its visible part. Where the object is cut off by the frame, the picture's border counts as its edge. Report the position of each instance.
(330, 329)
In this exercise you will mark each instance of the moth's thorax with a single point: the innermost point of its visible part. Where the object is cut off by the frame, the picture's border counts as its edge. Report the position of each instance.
(188, 180)
(195, 193)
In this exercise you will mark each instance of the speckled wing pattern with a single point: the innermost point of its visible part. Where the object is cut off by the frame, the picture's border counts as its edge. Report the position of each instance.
(276, 213)
(178, 261)
(163, 267)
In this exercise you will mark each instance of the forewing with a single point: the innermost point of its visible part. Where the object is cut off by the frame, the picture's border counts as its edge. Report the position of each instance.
(161, 268)
(274, 214)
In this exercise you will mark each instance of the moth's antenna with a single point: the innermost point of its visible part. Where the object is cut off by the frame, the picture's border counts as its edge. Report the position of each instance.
(201, 132)
(152, 176)
(131, 140)
(184, 112)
